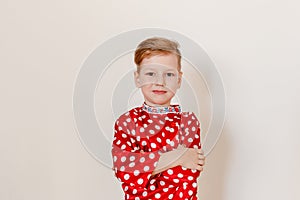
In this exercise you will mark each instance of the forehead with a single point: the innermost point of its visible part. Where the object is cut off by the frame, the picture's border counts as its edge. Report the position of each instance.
(157, 67)
(160, 62)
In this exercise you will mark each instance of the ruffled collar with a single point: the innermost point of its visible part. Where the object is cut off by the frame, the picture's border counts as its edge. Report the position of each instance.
(161, 109)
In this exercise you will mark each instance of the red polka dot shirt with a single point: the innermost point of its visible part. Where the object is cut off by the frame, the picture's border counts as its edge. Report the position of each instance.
(141, 135)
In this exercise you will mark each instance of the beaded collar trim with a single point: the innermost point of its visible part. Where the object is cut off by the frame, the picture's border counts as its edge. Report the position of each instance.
(161, 109)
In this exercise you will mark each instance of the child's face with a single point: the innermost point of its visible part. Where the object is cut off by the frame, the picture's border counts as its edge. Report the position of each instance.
(159, 79)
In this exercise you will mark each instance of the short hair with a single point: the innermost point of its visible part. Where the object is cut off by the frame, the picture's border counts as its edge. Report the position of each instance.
(156, 46)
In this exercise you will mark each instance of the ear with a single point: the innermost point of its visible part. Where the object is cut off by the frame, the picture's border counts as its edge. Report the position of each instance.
(179, 79)
(137, 79)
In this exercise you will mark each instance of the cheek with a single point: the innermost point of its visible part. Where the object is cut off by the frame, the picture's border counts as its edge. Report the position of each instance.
(146, 81)
(172, 86)
(146, 87)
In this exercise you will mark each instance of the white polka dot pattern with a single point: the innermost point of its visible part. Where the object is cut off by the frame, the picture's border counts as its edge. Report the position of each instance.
(139, 139)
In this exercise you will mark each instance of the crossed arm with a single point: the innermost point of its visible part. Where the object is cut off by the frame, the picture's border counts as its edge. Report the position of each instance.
(190, 158)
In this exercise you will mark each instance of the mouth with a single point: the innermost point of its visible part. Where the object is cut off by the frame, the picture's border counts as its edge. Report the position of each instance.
(159, 91)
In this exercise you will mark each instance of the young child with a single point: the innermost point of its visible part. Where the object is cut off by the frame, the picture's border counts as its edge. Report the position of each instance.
(156, 147)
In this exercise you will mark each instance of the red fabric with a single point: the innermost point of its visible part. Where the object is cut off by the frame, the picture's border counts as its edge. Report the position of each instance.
(139, 139)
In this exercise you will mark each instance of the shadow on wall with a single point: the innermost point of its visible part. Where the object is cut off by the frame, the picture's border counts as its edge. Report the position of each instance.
(213, 179)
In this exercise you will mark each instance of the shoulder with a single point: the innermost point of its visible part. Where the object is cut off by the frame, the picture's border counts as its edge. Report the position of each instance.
(129, 116)
(189, 117)
(188, 114)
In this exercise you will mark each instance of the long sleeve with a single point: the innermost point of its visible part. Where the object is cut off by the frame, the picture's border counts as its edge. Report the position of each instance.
(140, 136)
(132, 166)
(190, 131)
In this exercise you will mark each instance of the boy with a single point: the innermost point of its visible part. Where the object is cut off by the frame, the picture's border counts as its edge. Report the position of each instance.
(156, 148)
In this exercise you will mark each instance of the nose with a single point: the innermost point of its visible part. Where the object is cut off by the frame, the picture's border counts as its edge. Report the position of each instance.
(160, 80)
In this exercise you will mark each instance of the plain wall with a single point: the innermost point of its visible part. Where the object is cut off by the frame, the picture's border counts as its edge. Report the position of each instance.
(255, 45)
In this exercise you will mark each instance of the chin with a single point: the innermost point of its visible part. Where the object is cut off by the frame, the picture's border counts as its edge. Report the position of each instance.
(158, 100)
(159, 103)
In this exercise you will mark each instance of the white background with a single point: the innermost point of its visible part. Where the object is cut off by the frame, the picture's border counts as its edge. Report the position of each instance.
(255, 45)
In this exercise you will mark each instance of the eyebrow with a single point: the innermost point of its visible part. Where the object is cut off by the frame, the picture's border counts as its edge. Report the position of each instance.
(155, 68)
(149, 68)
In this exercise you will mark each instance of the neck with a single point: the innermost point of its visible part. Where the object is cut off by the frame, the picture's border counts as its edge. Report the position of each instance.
(158, 105)
(161, 108)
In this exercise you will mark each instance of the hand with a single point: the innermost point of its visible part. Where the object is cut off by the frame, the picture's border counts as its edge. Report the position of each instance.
(191, 158)
(186, 157)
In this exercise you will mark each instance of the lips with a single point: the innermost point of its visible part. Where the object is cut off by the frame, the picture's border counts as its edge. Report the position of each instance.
(159, 91)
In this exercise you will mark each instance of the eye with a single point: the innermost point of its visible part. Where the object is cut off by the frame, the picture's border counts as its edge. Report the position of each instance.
(150, 74)
(170, 74)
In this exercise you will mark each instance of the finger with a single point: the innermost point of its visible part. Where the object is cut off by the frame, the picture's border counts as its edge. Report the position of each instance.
(200, 168)
(200, 151)
(201, 157)
(201, 162)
